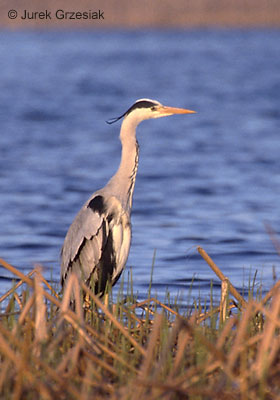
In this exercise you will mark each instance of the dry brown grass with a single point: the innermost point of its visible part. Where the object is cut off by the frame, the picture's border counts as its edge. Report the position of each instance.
(136, 350)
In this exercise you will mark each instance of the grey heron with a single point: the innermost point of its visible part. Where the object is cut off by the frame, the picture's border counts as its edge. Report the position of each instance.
(97, 244)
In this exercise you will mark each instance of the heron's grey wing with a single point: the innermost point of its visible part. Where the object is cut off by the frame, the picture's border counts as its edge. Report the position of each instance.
(88, 232)
(98, 241)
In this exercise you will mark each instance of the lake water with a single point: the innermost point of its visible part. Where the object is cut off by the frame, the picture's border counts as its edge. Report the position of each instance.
(208, 179)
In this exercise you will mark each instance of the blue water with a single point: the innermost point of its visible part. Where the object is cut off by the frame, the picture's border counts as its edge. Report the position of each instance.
(209, 179)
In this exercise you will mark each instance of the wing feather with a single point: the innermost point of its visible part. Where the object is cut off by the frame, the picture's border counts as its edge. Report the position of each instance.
(99, 238)
(85, 232)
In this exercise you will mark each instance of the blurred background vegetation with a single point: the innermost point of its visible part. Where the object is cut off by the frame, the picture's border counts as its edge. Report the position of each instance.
(147, 13)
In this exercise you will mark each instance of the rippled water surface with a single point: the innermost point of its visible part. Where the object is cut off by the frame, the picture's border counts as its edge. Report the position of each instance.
(209, 179)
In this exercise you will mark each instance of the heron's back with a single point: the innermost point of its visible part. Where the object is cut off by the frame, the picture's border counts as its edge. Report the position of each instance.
(97, 243)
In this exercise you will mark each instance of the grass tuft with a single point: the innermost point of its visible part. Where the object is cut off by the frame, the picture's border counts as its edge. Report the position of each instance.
(137, 350)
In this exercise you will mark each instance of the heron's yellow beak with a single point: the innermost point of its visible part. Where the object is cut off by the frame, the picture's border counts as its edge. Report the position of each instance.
(164, 111)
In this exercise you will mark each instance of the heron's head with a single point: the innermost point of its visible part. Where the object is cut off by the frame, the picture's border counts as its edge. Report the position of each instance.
(146, 109)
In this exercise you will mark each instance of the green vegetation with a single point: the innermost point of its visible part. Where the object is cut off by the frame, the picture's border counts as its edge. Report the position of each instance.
(136, 350)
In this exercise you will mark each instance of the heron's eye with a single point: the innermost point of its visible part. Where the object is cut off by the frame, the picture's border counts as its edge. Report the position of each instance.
(153, 108)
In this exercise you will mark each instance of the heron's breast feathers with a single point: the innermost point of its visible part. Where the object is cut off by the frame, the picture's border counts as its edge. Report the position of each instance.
(120, 229)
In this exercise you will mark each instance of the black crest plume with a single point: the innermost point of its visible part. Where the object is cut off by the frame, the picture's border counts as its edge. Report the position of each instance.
(143, 103)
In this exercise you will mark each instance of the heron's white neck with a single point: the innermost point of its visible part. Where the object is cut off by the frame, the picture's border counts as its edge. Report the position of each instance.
(123, 181)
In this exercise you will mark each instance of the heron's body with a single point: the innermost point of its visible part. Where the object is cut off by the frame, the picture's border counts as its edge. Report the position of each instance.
(97, 243)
